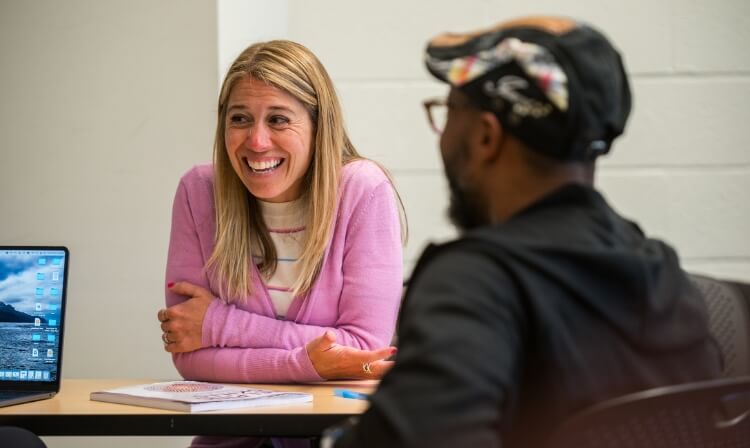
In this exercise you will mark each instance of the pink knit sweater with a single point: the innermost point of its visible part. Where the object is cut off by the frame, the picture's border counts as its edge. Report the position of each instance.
(356, 294)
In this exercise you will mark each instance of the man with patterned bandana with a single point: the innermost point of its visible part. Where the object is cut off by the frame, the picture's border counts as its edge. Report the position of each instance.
(550, 301)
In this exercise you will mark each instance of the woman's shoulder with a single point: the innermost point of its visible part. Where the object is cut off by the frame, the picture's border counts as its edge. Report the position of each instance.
(361, 181)
(195, 195)
(198, 182)
(203, 173)
(198, 178)
(362, 174)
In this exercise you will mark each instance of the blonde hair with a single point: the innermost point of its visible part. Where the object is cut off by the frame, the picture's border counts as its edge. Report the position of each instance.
(292, 68)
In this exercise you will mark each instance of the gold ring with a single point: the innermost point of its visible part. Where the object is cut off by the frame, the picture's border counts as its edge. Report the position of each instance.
(165, 338)
(366, 368)
(162, 312)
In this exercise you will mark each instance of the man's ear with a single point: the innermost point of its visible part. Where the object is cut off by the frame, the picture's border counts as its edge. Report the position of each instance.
(488, 136)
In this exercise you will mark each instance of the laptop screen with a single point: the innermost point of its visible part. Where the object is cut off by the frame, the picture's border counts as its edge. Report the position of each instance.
(32, 296)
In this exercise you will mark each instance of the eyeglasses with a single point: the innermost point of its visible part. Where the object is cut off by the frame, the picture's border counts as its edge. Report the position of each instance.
(437, 112)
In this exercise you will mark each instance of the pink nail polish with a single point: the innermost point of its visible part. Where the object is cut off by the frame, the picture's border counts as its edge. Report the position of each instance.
(170, 284)
(394, 350)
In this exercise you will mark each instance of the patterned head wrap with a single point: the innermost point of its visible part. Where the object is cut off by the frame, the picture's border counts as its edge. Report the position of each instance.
(565, 95)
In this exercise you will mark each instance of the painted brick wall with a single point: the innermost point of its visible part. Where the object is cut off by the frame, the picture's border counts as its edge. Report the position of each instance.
(682, 170)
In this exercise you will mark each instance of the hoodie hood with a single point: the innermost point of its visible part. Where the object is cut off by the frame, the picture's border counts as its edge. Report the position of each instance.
(606, 264)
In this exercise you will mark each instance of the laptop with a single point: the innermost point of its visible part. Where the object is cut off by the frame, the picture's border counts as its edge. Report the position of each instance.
(33, 286)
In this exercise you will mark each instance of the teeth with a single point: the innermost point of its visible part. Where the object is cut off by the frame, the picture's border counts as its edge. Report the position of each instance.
(265, 165)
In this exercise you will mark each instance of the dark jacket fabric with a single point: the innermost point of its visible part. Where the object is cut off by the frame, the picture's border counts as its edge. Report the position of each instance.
(512, 328)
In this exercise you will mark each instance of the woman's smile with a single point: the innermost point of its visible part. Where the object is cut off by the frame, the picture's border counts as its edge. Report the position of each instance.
(264, 166)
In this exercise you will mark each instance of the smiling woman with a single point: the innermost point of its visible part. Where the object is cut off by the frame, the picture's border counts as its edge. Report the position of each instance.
(285, 260)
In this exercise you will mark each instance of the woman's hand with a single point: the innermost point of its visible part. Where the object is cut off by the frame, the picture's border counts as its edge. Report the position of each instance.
(333, 361)
(182, 324)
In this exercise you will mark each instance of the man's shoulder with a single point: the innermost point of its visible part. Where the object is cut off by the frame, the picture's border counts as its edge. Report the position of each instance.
(471, 257)
(486, 241)
(460, 283)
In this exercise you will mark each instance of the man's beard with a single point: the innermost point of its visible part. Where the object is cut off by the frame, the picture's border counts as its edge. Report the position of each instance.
(465, 210)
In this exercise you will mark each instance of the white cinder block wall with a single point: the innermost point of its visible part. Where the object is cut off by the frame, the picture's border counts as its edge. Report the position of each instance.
(683, 168)
(103, 104)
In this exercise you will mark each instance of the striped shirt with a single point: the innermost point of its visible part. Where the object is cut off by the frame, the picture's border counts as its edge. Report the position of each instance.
(286, 224)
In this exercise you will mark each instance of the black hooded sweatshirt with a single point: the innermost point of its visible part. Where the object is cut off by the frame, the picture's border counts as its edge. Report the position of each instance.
(511, 329)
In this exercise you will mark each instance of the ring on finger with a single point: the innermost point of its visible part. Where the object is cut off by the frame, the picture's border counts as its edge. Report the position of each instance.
(165, 338)
(162, 315)
(366, 368)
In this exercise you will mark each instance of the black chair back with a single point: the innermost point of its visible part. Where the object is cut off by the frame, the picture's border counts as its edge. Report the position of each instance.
(707, 414)
(728, 304)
